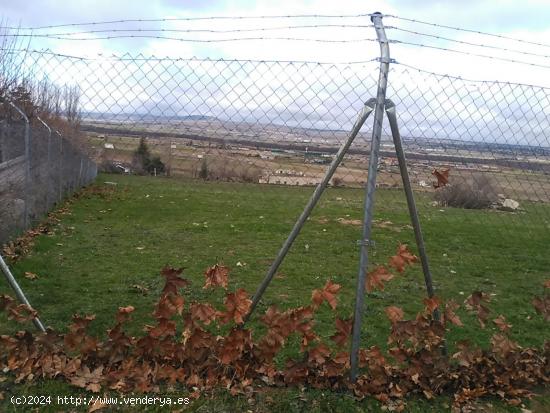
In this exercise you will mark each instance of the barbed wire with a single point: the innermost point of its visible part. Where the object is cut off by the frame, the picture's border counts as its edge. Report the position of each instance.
(463, 79)
(234, 39)
(503, 59)
(169, 19)
(467, 43)
(141, 30)
(500, 36)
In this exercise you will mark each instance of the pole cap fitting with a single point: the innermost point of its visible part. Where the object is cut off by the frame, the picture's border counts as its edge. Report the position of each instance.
(375, 14)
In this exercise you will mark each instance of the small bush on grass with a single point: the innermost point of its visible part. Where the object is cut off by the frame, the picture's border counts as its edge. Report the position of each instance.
(144, 163)
(479, 192)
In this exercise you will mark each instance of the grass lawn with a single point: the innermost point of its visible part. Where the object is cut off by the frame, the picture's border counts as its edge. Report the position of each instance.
(106, 246)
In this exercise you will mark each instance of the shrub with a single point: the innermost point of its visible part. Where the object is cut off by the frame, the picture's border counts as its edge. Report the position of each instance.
(144, 163)
(155, 166)
(479, 192)
(337, 181)
(203, 172)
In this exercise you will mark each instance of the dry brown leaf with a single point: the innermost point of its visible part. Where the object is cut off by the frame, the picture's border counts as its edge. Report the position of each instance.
(216, 275)
(394, 313)
(442, 177)
(328, 293)
(501, 323)
(377, 277)
(31, 275)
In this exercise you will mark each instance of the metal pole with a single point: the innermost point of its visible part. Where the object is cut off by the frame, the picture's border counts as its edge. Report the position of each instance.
(413, 212)
(60, 165)
(376, 19)
(80, 172)
(19, 292)
(48, 162)
(363, 115)
(27, 164)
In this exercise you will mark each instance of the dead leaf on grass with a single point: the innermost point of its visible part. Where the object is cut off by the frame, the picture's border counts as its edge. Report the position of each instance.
(31, 275)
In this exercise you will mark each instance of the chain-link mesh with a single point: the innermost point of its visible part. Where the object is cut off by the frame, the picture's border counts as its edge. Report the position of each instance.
(38, 168)
(280, 123)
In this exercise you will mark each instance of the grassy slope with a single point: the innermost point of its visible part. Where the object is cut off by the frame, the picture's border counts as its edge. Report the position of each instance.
(105, 246)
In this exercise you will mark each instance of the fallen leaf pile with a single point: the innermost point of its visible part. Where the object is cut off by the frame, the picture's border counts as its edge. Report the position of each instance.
(204, 346)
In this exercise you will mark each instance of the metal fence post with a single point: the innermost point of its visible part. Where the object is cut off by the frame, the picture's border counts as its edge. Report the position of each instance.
(376, 19)
(27, 164)
(80, 171)
(19, 292)
(60, 166)
(48, 158)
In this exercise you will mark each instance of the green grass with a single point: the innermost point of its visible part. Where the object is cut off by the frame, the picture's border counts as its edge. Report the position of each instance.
(104, 246)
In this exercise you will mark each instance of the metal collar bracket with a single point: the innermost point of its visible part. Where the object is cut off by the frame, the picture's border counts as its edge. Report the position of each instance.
(366, 242)
(385, 60)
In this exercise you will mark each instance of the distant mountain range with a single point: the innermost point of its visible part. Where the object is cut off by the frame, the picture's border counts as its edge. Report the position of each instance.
(147, 117)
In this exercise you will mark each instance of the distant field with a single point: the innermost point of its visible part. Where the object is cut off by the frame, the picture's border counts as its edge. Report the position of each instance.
(248, 164)
(106, 246)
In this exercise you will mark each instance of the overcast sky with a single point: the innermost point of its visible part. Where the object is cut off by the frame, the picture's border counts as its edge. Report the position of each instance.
(528, 20)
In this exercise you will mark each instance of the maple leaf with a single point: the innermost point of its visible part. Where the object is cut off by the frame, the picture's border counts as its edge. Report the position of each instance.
(450, 308)
(319, 354)
(203, 312)
(542, 306)
(373, 357)
(168, 305)
(237, 305)
(173, 282)
(327, 293)
(376, 278)
(198, 338)
(164, 328)
(169, 373)
(31, 275)
(216, 275)
(308, 336)
(501, 323)
(394, 313)
(234, 344)
(475, 303)
(22, 313)
(272, 316)
(123, 313)
(502, 345)
(343, 331)
(81, 322)
(442, 177)
(402, 258)
(431, 304)
(6, 302)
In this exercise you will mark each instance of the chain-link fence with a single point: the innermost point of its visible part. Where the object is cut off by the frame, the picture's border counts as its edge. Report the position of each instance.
(38, 168)
(469, 144)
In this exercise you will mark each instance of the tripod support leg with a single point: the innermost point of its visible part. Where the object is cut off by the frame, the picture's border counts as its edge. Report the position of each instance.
(363, 115)
(413, 212)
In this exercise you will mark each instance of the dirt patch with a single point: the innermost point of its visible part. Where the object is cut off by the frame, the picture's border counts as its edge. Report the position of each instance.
(345, 221)
(386, 225)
